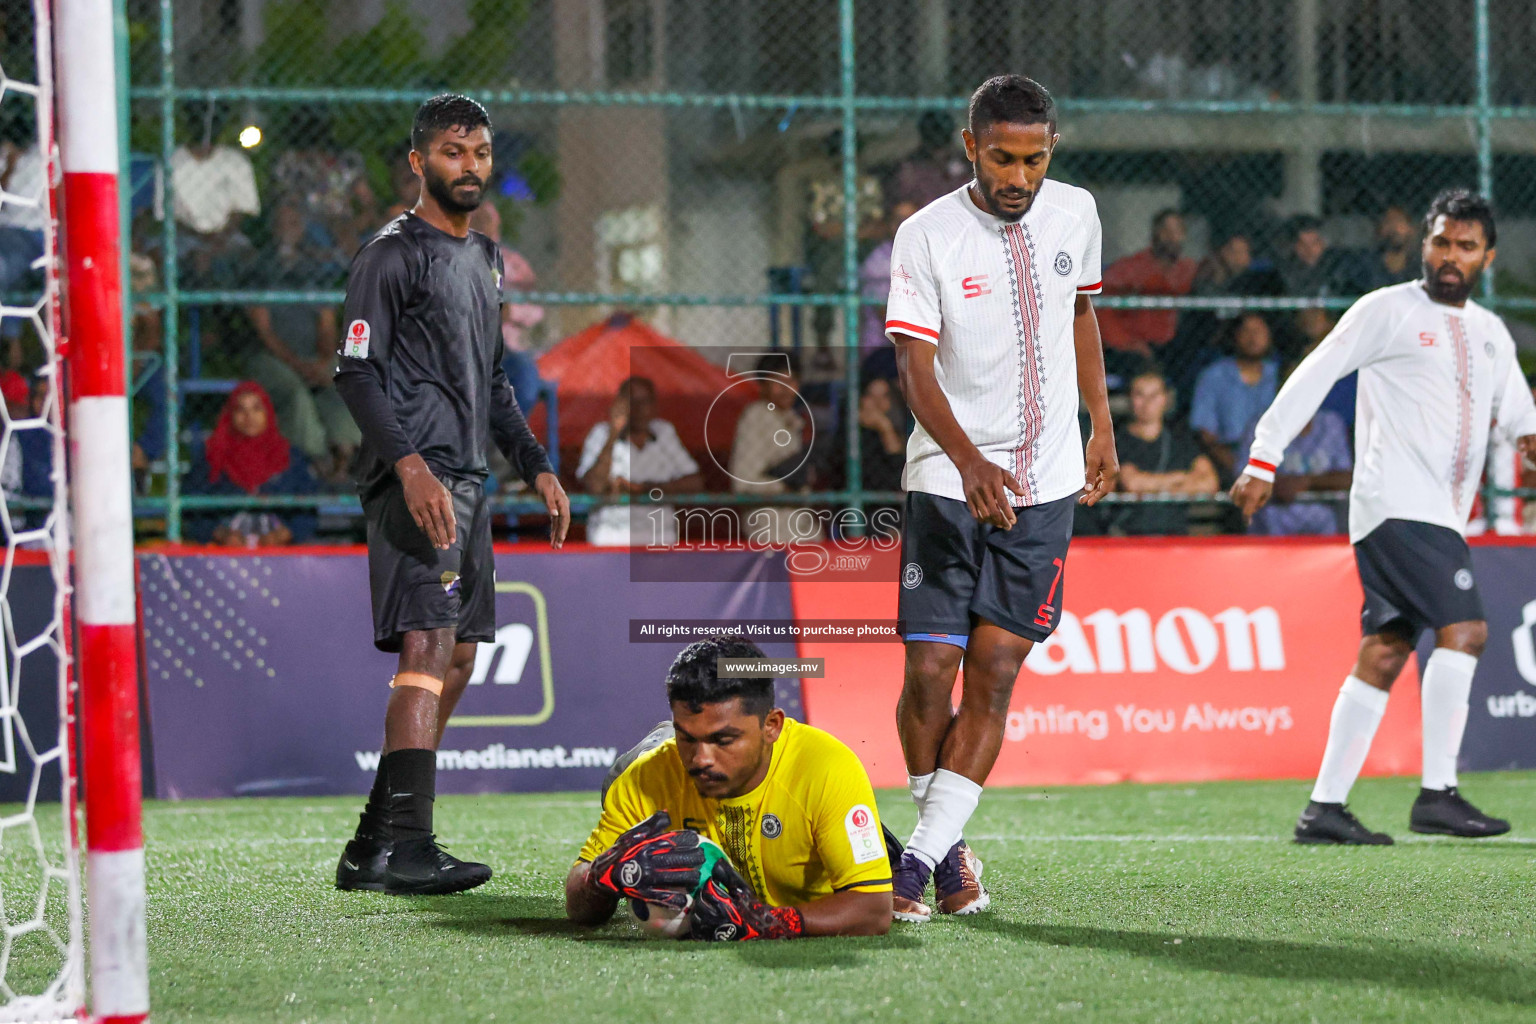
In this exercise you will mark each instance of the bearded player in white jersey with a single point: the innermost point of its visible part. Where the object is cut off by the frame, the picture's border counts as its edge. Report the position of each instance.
(995, 336)
(1437, 373)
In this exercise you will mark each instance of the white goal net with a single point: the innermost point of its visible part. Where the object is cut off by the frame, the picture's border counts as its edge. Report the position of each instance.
(41, 948)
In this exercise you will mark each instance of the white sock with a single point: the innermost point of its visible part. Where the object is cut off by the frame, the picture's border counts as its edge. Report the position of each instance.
(1444, 691)
(949, 803)
(1356, 714)
(918, 786)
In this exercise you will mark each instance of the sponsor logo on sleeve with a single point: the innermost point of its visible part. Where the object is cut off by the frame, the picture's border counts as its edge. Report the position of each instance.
(1463, 579)
(864, 835)
(358, 334)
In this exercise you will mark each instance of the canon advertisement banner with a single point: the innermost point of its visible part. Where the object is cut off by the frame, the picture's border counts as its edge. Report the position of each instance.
(1173, 661)
(263, 678)
(1501, 723)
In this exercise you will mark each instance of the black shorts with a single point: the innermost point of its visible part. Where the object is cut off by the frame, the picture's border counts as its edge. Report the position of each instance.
(956, 569)
(1416, 576)
(414, 585)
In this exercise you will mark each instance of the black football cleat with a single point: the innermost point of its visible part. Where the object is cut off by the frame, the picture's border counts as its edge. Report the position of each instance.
(419, 867)
(361, 868)
(1445, 812)
(1334, 824)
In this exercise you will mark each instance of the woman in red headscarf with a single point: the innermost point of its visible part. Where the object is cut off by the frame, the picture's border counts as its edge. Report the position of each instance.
(247, 455)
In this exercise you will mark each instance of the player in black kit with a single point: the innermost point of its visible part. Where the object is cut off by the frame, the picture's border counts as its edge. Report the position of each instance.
(421, 373)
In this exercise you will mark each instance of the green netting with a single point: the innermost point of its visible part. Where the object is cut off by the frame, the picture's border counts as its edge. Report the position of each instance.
(729, 169)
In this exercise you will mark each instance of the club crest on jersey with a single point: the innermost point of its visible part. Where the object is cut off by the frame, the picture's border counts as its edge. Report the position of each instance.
(772, 826)
(1063, 264)
(356, 346)
(912, 576)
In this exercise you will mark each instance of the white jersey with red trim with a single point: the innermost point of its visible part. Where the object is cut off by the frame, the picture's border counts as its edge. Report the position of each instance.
(998, 299)
(1434, 380)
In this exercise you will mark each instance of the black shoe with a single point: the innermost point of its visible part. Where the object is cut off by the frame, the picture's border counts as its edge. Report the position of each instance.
(361, 868)
(1332, 823)
(1445, 812)
(419, 867)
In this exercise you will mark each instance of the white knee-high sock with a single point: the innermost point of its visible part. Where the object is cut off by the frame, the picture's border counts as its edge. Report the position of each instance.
(1356, 714)
(950, 801)
(1443, 694)
(917, 785)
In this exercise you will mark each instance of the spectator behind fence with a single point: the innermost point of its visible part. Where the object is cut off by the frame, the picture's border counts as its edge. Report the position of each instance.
(247, 455)
(1233, 392)
(882, 438)
(876, 353)
(632, 453)
(329, 183)
(297, 357)
(1309, 267)
(21, 225)
(1133, 335)
(28, 468)
(518, 319)
(1158, 457)
(1319, 459)
(937, 168)
(214, 187)
(1222, 270)
(1394, 259)
(768, 452)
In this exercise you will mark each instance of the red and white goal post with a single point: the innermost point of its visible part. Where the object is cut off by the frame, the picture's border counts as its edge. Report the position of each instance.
(88, 540)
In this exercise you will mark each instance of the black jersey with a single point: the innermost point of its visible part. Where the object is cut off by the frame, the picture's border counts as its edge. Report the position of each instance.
(420, 365)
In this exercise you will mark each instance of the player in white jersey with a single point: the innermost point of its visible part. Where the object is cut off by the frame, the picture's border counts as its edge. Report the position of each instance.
(1437, 373)
(995, 335)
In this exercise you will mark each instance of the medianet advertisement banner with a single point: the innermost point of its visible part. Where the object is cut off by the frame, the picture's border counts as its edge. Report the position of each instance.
(263, 678)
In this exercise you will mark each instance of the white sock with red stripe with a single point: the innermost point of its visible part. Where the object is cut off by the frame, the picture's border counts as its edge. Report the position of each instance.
(1444, 694)
(948, 805)
(1356, 714)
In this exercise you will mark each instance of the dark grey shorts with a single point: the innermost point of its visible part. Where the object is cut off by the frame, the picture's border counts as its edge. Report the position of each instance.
(414, 585)
(1416, 576)
(955, 569)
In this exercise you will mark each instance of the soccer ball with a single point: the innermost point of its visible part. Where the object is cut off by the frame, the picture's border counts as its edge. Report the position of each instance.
(659, 921)
(665, 922)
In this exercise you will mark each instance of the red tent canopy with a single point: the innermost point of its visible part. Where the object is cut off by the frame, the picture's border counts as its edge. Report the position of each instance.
(588, 366)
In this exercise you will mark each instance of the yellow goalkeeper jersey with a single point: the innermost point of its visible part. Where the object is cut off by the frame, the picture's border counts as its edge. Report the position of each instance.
(808, 830)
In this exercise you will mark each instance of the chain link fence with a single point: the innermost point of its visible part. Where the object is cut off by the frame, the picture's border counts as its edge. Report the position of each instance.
(727, 175)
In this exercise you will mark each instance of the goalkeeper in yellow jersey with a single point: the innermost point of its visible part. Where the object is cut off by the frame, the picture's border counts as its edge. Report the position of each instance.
(790, 805)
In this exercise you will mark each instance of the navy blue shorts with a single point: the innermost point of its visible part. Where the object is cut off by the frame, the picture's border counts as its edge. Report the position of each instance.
(1416, 576)
(957, 569)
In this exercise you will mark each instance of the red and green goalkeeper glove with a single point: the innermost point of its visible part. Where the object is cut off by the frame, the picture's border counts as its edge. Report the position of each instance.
(650, 863)
(725, 910)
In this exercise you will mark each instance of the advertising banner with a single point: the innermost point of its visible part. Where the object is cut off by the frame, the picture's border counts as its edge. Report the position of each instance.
(1177, 660)
(1501, 723)
(263, 679)
(31, 677)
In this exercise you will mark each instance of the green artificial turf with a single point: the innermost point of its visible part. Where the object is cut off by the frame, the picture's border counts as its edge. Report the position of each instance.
(1124, 903)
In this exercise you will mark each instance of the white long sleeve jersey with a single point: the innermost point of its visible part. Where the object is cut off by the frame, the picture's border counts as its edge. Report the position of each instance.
(1434, 381)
